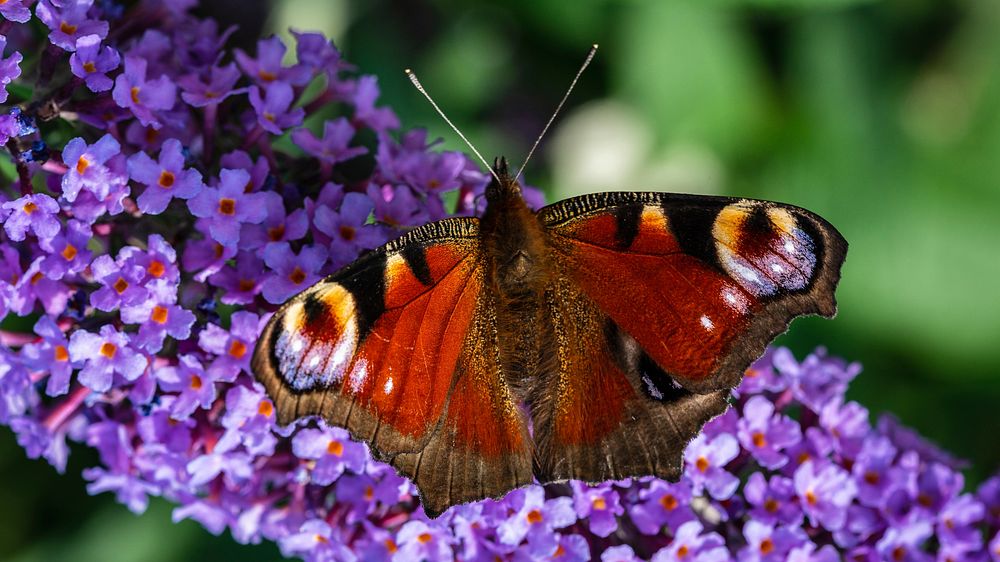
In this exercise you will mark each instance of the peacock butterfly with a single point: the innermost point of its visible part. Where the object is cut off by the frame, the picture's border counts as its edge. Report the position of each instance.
(589, 340)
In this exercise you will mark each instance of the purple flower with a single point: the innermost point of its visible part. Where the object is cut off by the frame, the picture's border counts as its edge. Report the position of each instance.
(36, 212)
(903, 544)
(15, 10)
(762, 376)
(989, 495)
(318, 54)
(705, 463)
(227, 207)
(600, 504)
(377, 118)
(104, 355)
(773, 500)
(35, 286)
(690, 545)
(871, 470)
(249, 421)
(334, 146)
(121, 283)
(158, 317)
(232, 347)
(315, 538)
(239, 284)
(825, 490)
(767, 543)
(533, 517)
(267, 68)
(274, 111)
(396, 206)
(68, 253)
(818, 378)
(276, 227)
(165, 179)
(847, 423)
(347, 229)
(92, 63)
(765, 434)
(50, 355)
(220, 85)
(956, 526)
(662, 504)
(158, 260)
(10, 68)
(142, 96)
(292, 273)
(86, 166)
(994, 547)
(332, 449)
(68, 21)
(196, 388)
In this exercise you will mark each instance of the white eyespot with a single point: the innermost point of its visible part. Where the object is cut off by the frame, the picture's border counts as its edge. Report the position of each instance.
(706, 322)
(358, 375)
(777, 268)
(297, 344)
(387, 388)
(789, 247)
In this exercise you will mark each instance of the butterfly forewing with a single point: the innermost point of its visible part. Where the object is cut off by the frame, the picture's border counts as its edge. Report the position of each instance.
(397, 348)
(701, 283)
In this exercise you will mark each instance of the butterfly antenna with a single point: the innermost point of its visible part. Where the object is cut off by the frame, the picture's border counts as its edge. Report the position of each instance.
(586, 62)
(420, 88)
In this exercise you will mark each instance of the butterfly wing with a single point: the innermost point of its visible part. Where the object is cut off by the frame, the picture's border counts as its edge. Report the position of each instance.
(701, 283)
(395, 349)
(607, 411)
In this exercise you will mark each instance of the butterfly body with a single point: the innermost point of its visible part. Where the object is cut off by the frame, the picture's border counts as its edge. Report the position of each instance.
(613, 325)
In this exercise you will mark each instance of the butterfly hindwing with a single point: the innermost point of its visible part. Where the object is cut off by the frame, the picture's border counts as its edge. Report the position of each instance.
(701, 283)
(394, 349)
(607, 412)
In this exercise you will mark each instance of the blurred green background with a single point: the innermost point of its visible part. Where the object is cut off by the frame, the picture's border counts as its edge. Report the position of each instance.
(884, 117)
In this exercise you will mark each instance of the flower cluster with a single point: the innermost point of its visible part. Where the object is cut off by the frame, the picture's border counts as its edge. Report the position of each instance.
(168, 193)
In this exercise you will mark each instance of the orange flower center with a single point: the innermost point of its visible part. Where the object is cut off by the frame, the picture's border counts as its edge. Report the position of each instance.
(237, 349)
(156, 268)
(669, 502)
(682, 551)
(347, 232)
(61, 353)
(265, 408)
(424, 538)
(321, 539)
(390, 545)
(771, 505)
(811, 498)
(89, 66)
(599, 504)
(69, 252)
(67, 28)
(766, 546)
(759, 440)
(871, 477)
(120, 285)
(925, 500)
(108, 350)
(151, 135)
(899, 553)
(82, 164)
(534, 516)
(276, 233)
(30, 207)
(159, 315)
(701, 464)
(297, 275)
(227, 206)
(269, 116)
(335, 448)
(36, 277)
(369, 492)
(560, 552)
(196, 382)
(134, 92)
(247, 285)
(248, 187)
(267, 76)
(219, 249)
(166, 179)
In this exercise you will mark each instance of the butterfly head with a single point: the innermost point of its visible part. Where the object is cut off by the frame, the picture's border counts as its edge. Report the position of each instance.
(502, 186)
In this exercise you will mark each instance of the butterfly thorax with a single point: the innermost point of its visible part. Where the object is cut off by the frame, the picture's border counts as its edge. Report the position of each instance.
(513, 240)
(517, 266)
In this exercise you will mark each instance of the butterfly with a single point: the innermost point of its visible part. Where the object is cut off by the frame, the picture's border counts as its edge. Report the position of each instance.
(590, 340)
